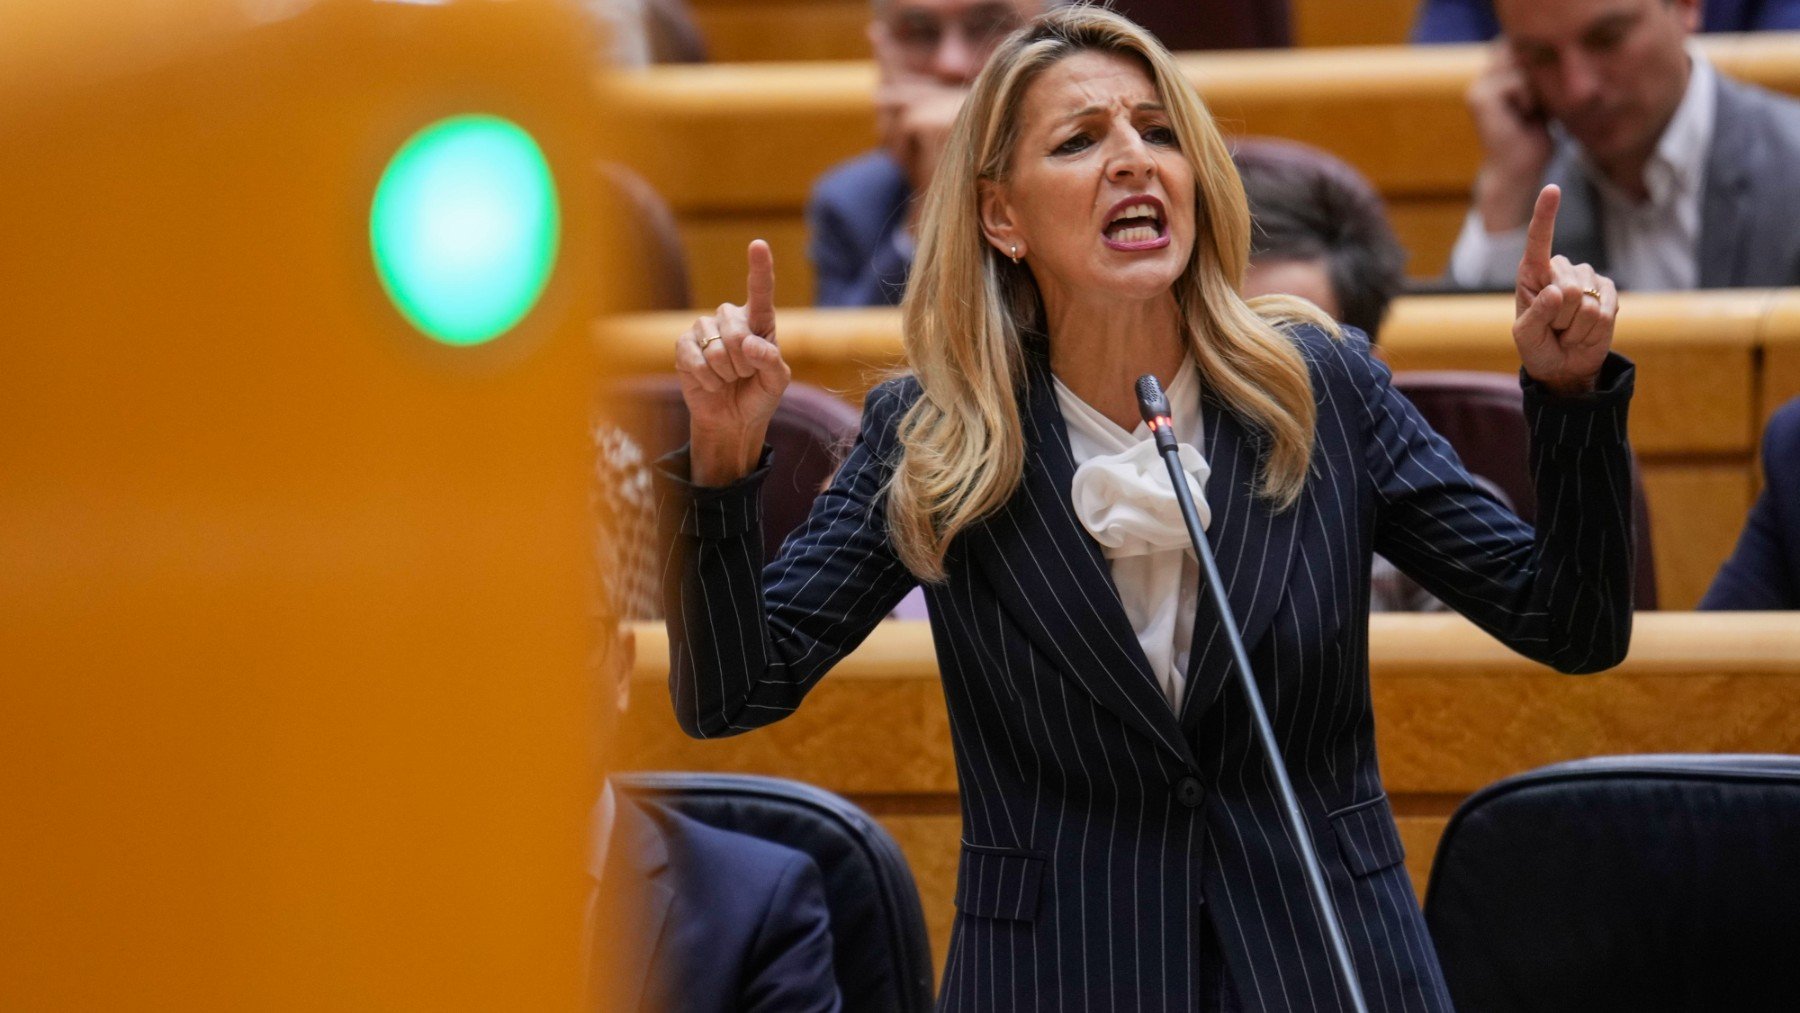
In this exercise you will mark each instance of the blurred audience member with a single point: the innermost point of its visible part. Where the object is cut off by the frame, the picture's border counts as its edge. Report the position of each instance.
(641, 32)
(1318, 231)
(1673, 175)
(1764, 570)
(860, 216)
(696, 919)
(1473, 20)
(1213, 24)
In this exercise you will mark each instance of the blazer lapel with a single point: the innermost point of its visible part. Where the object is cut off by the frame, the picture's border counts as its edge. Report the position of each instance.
(1254, 547)
(1725, 195)
(637, 897)
(1051, 577)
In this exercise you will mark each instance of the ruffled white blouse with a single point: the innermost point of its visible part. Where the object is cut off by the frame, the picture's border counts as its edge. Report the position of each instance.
(1122, 496)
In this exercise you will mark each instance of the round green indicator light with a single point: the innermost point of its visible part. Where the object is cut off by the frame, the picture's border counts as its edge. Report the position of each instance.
(464, 228)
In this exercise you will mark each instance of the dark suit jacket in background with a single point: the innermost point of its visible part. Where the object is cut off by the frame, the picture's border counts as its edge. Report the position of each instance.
(853, 218)
(1748, 236)
(1474, 21)
(1104, 833)
(1764, 570)
(713, 921)
(1213, 24)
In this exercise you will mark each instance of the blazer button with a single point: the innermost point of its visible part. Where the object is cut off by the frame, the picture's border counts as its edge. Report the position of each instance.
(1189, 792)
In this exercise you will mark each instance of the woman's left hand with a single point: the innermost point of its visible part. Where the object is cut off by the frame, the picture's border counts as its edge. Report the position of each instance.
(1563, 312)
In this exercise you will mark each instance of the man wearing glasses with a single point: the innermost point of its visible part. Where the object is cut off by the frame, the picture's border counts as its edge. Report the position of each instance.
(860, 217)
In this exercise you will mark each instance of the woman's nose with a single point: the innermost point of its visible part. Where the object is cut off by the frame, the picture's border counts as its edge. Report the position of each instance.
(1131, 157)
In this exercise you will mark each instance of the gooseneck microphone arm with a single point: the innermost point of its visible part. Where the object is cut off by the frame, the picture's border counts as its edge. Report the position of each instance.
(1155, 409)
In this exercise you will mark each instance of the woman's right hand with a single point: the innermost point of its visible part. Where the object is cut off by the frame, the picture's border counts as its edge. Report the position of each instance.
(732, 377)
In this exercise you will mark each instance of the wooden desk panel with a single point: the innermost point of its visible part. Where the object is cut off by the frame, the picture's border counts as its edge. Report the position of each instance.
(722, 140)
(763, 30)
(1454, 712)
(1696, 354)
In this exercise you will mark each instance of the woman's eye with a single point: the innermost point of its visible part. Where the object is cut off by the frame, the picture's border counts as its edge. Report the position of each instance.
(1160, 135)
(1073, 144)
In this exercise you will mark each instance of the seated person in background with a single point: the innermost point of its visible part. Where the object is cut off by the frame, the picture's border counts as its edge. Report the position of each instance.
(1673, 175)
(1473, 20)
(683, 916)
(1764, 570)
(1318, 231)
(861, 214)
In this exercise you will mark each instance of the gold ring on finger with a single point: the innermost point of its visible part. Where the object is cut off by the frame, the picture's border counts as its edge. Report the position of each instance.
(710, 338)
(1593, 292)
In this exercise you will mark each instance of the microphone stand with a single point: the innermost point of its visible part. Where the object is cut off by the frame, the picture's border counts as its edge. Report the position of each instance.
(1154, 407)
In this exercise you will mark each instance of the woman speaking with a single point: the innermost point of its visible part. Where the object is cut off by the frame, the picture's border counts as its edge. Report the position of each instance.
(1122, 840)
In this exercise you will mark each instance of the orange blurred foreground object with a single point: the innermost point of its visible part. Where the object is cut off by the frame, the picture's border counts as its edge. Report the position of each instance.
(293, 712)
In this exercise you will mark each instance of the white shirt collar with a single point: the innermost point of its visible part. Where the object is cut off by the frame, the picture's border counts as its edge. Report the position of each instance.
(1184, 410)
(1678, 166)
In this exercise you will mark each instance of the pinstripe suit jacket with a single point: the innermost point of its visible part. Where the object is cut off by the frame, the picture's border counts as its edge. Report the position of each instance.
(1101, 827)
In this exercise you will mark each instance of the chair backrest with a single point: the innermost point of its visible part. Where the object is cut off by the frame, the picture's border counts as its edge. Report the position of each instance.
(1483, 416)
(880, 950)
(1627, 883)
(811, 431)
(643, 265)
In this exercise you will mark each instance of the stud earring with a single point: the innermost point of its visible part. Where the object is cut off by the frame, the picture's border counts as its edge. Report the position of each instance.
(1015, 253)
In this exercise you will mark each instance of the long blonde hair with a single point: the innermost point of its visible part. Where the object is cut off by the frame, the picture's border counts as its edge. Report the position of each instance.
(969, 311)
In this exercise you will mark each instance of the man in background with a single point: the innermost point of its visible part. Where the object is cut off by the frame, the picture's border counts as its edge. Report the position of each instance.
(861, 215)
(1673, 175)
(1763, 572)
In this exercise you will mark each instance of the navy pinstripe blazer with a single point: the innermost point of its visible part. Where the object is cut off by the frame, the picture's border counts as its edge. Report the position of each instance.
(1101, 828)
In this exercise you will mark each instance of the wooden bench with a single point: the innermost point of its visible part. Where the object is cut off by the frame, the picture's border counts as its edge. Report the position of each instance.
(736, 148)
(1454, 711)
(762, 30)
(1711, 366)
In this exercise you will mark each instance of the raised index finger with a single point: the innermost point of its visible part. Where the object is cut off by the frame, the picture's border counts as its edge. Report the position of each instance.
(759, 309)
(1540, 234)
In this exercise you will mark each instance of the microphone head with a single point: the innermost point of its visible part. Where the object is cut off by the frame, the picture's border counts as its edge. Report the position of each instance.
(1152, 403)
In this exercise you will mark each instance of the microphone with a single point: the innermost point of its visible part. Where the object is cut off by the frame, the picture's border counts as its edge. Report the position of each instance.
(1154, 407)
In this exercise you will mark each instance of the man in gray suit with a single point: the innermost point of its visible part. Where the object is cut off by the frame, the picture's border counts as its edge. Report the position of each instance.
(1673, 175)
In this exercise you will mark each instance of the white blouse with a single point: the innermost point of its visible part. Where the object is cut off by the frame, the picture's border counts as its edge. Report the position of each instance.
(1121, 494)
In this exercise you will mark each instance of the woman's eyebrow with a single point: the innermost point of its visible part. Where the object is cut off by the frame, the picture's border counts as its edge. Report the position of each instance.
(1142, 107)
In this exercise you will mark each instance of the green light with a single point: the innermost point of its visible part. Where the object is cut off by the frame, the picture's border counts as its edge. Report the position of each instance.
(464, 228)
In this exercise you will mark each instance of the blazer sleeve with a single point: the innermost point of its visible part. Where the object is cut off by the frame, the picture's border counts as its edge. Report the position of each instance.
(1562, 594)
(791, 964)
(746, 642)
(1764, 569)
(1455, 21)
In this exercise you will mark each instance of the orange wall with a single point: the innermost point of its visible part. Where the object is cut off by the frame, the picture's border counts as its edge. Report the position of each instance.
(292, 610)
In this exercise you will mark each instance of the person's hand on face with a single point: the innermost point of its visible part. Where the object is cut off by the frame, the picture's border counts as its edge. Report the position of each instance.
(929, 52)
(1515, 142)
(732, 377)
(915, 117)
(1564, 312)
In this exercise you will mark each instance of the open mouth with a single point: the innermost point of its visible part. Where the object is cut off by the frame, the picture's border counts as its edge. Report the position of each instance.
(1136, 223)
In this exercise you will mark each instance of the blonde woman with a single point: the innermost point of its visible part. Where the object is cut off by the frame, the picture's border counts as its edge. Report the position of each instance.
(1122, 847)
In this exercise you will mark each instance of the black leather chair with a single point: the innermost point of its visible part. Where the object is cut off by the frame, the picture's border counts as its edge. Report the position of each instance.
(879, 947)
(1624, 883)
